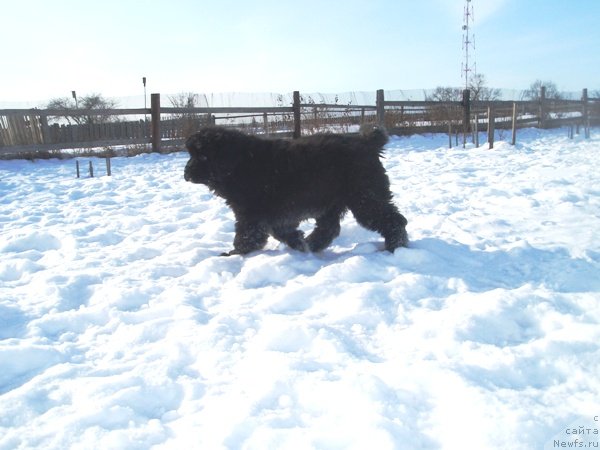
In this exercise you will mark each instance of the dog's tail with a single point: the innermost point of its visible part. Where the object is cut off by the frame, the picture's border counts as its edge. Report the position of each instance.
(375, 136)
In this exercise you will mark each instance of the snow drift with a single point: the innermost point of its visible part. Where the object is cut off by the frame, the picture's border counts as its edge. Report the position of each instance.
(120, 327)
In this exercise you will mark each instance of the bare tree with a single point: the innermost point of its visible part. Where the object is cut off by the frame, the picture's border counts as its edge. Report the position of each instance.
(445, 94)
(533, 93)
(185, 100)
(97, 102)
(63, 104)
(88, 102)
(479, 91)
(188, 122)
(477, 86)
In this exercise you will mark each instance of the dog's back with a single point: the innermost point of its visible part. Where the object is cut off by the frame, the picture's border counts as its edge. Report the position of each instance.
(369, 142)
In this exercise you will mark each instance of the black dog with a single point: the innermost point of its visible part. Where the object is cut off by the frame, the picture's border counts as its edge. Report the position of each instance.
(274, 184)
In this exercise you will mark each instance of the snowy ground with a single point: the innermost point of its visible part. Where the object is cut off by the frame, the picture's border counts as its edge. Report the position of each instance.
(121, 328)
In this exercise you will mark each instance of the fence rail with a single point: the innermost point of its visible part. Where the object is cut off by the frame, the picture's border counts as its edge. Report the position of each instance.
(30, 130)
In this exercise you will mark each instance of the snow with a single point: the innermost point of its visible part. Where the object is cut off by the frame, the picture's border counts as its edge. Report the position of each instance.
(121, 328)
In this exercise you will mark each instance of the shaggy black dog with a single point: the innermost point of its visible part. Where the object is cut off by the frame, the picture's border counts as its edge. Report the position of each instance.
(274, 184)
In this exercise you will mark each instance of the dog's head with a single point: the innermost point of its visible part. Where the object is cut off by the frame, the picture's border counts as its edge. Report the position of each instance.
(214, 154)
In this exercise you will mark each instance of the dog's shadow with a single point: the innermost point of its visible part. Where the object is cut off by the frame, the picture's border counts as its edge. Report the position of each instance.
(480, 270)
(484, 270)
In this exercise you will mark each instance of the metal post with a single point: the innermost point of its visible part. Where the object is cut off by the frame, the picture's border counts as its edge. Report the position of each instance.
(145, 106)
(144, 81)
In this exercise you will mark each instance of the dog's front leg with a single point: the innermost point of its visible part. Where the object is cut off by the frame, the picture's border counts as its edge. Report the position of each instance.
(249, 237)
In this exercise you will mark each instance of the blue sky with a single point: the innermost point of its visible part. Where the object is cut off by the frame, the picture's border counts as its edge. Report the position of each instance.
(50, 48)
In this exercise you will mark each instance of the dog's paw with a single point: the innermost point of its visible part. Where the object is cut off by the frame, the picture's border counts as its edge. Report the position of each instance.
(401, 240)
(296, 241)
(303, 247)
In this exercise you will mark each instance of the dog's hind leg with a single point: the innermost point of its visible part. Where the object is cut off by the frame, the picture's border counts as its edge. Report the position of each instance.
(249, 237)
(384, 218)
(326, 230)
(291, 236)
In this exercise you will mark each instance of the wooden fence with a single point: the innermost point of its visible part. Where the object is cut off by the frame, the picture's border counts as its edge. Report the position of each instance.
(158, 127)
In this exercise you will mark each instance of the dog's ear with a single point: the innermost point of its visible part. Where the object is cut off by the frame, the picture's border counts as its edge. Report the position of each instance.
(207, 142)
(375, 135)
(192, 143)
(221, 138)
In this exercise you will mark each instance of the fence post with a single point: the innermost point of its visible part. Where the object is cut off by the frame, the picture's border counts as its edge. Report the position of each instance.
(380, 105)
(296, 108)
(514, 124)
(466, 104)
(266, 123)
(155, 118)
(584, 113)
(542, 120)
(491, 126)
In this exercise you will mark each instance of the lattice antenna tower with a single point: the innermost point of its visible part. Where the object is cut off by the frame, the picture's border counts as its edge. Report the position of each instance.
(468, 44)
